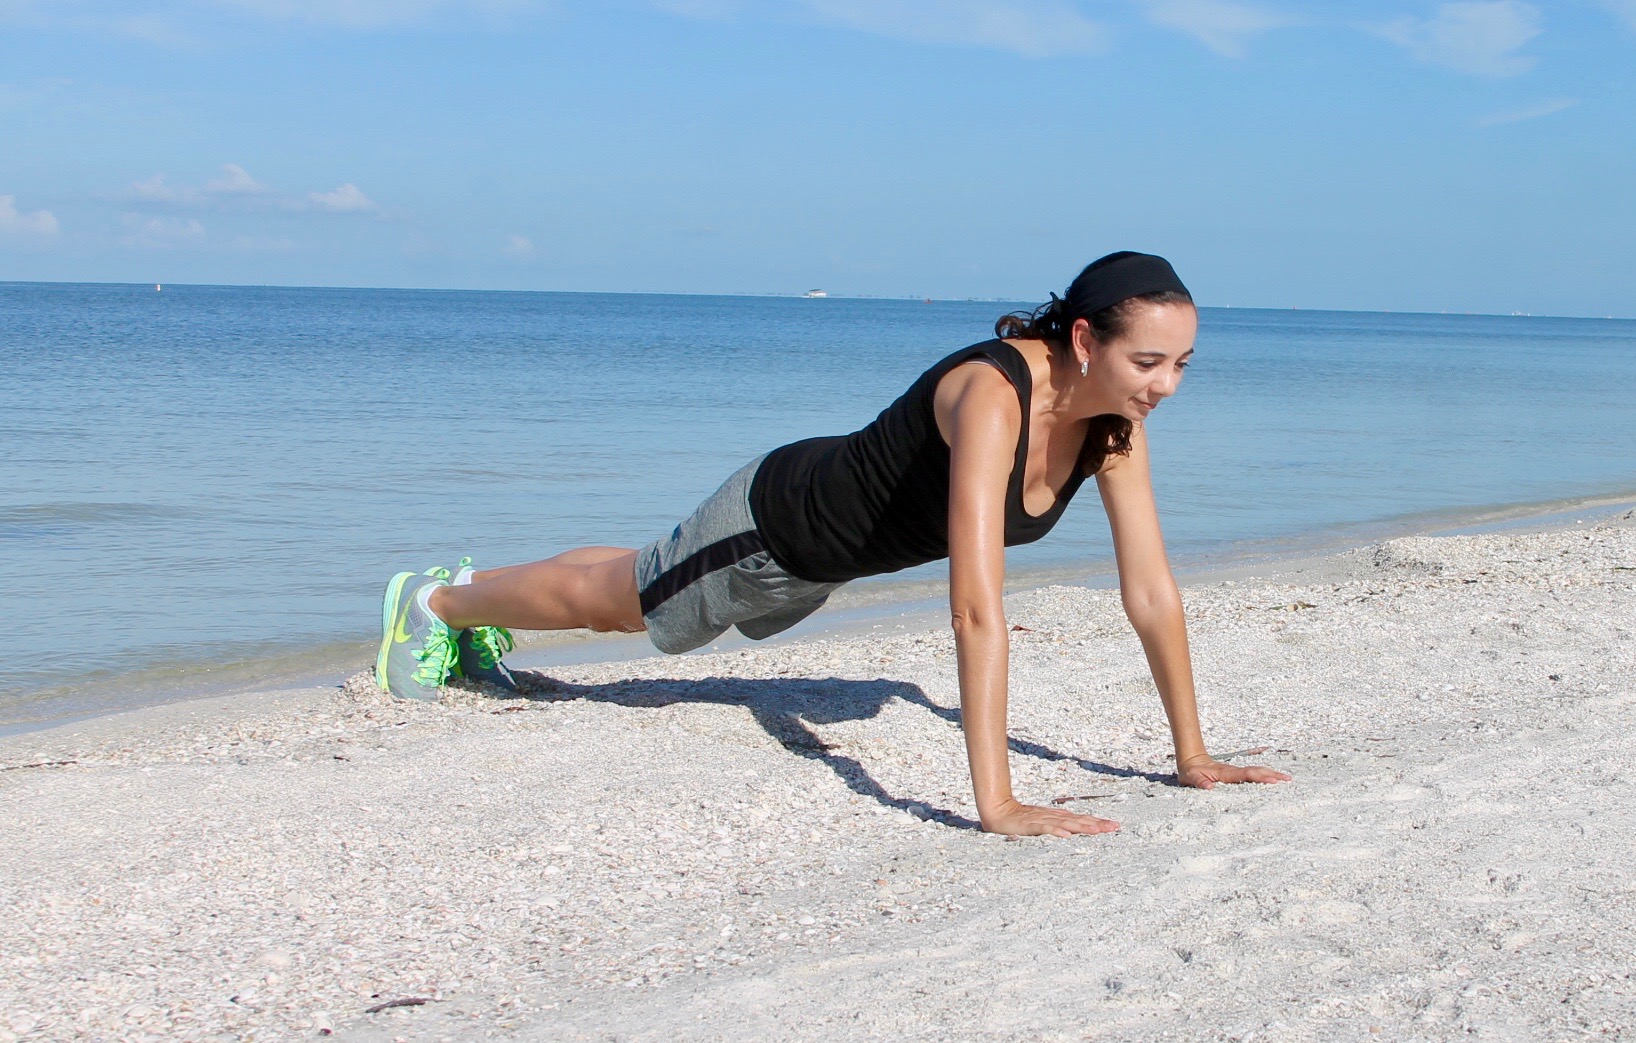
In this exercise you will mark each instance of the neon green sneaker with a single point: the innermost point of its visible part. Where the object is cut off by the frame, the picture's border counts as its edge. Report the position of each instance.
(417, 648)
(480, 647)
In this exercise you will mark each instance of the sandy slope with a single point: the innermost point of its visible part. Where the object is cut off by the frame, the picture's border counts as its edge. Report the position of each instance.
(775, 843)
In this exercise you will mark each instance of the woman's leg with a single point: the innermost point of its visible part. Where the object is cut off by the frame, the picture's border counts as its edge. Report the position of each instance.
(593, 587)
(577, 556)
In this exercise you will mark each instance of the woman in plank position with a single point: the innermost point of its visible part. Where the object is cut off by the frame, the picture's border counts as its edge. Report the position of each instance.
(983, 452)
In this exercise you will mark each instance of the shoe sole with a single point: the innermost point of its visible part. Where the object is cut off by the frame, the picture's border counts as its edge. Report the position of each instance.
(389, 605)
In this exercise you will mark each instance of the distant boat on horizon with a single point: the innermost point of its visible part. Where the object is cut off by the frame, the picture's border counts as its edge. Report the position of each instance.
(815, 293)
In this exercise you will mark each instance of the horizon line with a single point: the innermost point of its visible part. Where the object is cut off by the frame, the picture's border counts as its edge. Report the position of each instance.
(787, 295)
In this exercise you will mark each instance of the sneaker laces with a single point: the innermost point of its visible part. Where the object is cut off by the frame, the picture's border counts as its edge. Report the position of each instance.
(437, 657)
(491, 643)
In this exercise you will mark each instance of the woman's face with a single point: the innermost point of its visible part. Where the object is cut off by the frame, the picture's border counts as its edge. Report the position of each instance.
(1133, 374)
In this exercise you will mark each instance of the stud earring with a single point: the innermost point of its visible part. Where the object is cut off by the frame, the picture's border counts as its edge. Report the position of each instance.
(1085, 368)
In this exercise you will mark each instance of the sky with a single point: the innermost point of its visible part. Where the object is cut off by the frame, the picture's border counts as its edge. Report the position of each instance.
(1391, 155)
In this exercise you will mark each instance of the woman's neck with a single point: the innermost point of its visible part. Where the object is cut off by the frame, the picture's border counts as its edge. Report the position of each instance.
(1073, 397)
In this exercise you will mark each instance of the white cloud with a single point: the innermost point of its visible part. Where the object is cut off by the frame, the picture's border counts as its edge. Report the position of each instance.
(15, 222)
(154, 190)
(237, 189)
(519, 246)
(235, 181)
(1532, 112)
(1223, 26)
(1479, 37)
(158, 232)
(1036, 29)
(347, 199)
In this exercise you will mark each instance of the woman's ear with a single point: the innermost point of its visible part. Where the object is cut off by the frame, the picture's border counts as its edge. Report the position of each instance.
(1081, 341)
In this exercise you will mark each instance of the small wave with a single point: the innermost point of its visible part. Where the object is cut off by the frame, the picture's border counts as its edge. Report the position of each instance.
(173, 673)
(42, 520)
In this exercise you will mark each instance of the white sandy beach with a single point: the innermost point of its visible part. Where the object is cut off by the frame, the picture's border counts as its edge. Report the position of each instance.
(775, 843)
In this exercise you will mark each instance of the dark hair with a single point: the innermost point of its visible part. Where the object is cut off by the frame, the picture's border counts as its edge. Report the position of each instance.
(1109, 434)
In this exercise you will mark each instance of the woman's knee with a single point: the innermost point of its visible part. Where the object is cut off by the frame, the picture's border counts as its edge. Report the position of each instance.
(604, 595)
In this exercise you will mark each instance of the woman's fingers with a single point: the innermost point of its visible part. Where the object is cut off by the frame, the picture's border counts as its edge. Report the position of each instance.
(1030, 820)
(1205, 776)
(1260, 774)
(1092, 824)
(1250, 773)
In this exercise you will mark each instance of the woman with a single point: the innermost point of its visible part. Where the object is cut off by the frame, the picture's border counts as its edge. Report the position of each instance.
(983, 452)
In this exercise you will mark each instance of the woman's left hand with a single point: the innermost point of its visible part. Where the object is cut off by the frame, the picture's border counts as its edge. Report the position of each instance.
(1204, 773)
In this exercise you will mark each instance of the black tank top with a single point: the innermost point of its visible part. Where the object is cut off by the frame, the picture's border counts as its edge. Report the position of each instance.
(838, 508)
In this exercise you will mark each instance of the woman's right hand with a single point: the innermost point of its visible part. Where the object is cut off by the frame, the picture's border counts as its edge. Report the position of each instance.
(1026, 820)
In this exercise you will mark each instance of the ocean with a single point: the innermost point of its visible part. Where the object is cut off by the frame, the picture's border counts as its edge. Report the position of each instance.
(213, 479)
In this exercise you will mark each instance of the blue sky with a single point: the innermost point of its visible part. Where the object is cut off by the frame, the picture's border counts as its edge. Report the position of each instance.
(1401, 155)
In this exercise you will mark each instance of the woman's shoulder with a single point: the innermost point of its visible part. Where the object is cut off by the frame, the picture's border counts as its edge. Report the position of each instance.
(1019, 362)
(980, 374)
(981, 391)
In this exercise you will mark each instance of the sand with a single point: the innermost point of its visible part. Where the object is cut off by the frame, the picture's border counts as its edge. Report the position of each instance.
(776, 842)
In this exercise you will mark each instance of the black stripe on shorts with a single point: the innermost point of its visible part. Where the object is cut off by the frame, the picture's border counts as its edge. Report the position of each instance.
(698, 565)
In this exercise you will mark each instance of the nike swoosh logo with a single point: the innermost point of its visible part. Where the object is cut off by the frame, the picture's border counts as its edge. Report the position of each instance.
(399, 634)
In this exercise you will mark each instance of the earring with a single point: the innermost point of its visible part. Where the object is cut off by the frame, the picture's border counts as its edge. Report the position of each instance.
(1085, 368)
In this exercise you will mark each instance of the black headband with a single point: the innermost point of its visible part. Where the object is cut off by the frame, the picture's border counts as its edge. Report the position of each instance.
(1119, 277)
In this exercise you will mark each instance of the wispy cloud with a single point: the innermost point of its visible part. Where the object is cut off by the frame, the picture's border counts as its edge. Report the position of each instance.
(715, 9)
(235, 181)
(1532, 112)
(179, 23)
(1625, 9)
(1037, 29)
(1477, 37)
(160, 232)
(372, 14)
(262, 244)
(518, 246)
(104, 19)
(15, 222)
(236, 189)
(1224, 26)
(155, 190)
(347, 199)
(149, 28)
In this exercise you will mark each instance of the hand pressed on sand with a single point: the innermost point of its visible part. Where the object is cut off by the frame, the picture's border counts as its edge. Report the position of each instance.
(1204, 773)
(1027, 820)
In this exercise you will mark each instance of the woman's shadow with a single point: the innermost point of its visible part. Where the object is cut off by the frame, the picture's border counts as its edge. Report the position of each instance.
(787, 707)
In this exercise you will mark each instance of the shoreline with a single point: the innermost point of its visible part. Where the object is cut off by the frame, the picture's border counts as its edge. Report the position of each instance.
(890, 602)
(777, 841)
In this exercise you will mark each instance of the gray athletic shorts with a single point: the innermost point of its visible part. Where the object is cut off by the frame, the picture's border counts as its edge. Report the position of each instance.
(713, 572)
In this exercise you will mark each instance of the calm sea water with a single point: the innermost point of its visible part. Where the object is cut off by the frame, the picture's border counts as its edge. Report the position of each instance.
(214, 474)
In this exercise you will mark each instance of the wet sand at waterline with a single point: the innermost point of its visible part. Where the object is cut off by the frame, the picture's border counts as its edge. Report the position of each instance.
(776, 842)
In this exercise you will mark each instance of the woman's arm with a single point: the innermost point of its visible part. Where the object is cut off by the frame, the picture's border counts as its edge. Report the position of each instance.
(1154, 606)
(979, 416)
